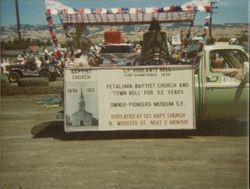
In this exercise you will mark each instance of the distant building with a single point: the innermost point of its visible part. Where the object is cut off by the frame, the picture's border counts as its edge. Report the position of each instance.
(82, 117)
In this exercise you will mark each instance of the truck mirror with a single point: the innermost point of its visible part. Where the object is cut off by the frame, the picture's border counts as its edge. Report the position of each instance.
(246, 70)
(212, 78)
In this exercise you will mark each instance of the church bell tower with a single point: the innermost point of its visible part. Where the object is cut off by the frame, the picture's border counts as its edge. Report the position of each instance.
(81, 102)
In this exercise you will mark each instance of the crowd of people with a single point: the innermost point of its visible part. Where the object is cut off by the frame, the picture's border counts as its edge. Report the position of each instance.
(73, 58)
(185, 53)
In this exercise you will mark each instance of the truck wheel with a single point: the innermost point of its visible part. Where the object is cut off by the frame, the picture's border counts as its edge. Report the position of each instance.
(13, 76)
(46, 74)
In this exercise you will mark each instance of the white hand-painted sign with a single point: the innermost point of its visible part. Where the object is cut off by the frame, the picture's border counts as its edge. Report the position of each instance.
(129, 98)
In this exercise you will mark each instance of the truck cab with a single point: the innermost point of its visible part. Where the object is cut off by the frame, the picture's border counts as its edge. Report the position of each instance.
(221, 82)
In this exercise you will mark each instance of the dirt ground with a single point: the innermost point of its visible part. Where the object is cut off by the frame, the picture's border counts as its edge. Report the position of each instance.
(215, 156)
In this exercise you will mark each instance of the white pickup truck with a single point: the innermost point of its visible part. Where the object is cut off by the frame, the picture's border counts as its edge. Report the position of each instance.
(214, 86)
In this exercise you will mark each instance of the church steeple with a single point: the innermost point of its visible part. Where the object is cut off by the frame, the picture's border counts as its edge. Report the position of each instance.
(81, 102)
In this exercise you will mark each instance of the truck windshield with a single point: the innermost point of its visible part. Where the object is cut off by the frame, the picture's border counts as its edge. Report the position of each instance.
(229, 58)
(228, 62)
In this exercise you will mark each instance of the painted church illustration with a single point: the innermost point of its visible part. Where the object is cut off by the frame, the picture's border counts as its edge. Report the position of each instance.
(83, 117)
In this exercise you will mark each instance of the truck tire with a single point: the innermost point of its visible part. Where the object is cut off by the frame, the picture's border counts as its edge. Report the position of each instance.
(47, 74)
(33, 82)
(14, 76)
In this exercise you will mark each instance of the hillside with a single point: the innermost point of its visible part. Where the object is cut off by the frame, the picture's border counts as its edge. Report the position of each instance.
(130, 33)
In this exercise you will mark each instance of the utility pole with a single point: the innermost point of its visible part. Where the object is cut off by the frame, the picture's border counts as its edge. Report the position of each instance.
(18, 22)
(212, 6)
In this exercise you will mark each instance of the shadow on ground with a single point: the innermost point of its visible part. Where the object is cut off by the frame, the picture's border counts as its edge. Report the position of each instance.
(54, 129)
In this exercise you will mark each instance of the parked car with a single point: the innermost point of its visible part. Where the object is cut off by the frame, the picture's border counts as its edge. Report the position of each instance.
(30, 69)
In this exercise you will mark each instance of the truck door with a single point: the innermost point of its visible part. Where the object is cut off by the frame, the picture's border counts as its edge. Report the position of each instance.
(225, 85)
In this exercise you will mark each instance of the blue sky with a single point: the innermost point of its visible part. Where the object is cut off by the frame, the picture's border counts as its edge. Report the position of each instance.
(32, 11)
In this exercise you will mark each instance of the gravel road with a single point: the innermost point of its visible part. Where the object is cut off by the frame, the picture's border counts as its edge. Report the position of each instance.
(215, 156)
